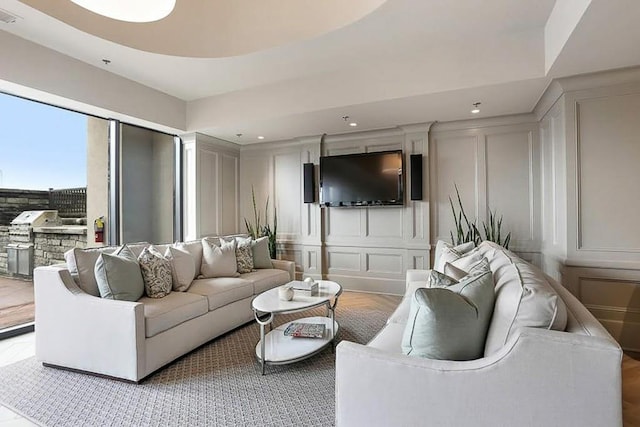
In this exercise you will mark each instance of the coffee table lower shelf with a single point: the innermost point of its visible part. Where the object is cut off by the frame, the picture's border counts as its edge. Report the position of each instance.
(280, 350)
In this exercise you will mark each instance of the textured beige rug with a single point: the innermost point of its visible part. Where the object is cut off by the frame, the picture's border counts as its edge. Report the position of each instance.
(218, 384)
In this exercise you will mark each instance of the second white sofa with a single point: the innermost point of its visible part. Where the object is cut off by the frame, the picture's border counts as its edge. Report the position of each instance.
(130, 340)
(529, 375)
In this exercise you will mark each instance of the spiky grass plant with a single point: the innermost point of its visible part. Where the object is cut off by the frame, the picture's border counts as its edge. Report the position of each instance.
(493, 230)
(257, 230)
(466, 231)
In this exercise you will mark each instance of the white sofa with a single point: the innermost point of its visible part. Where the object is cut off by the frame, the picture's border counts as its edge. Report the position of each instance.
(539, 377)
(130, 340)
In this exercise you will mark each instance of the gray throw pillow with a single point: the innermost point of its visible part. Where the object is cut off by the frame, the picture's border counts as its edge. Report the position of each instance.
(260, 248)
(219, 261)
(450, 323)
(439, 280)
(156, 272)
(118, 275)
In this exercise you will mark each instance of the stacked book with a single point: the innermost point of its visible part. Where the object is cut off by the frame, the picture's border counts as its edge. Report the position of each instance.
(305, 330)
(307, 289)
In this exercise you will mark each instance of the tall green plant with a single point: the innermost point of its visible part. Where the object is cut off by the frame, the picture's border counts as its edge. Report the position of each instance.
(493, 230)
(257, 230)
(465, 231)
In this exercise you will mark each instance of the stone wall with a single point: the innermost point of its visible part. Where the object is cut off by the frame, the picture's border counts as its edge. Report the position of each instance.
(50, 243)
(4, 241)
(14, 202)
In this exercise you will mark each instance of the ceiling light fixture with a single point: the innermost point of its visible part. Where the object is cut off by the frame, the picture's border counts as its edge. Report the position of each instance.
(261, 137)
(475, 110)
(130, 10)
(352, 124)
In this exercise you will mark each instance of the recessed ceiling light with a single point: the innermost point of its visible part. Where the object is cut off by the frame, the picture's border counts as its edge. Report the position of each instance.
(353, 124)
(130, 10)
(475, 110)
(261, 137)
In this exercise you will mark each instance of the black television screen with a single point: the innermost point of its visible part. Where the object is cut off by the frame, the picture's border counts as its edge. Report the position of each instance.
(362, 179)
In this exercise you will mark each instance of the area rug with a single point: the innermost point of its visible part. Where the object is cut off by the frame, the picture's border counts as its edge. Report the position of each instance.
(218, 384)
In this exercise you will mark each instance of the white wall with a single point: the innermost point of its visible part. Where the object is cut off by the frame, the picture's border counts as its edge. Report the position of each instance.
(211, 184)
(591, 152)
(495, 164)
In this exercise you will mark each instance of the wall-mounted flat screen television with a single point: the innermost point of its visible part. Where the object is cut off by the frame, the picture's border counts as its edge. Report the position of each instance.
(368, 179)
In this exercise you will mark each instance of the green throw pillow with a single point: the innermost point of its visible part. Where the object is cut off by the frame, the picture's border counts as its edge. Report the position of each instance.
(260, 249)
(118, 275)
(450, 323)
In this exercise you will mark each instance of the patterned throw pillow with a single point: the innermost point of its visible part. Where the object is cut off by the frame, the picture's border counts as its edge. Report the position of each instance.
(156, 272)
(244, 256)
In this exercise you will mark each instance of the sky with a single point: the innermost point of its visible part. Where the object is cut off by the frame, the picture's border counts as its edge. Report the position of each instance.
(41, 146)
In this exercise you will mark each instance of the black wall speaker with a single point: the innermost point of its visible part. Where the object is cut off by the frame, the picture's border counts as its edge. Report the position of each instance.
(416, 176)
(309, 187)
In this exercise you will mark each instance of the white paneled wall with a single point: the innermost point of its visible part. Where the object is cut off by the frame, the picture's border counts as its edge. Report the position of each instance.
(496, 166)
(590, 153)
(211, 176)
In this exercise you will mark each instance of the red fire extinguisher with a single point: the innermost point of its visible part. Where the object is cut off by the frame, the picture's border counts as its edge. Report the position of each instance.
(98, 227)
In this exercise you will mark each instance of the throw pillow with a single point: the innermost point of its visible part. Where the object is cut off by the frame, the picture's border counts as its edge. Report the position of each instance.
(450, 323)
(462, 261)
(458, 273)
(219, 261)
(118, 275)
(439, 280)
(244, 255)
(156, 272)
(441, 244)
(195, 249)
(260, 249)
(183, 268)
(81, 264)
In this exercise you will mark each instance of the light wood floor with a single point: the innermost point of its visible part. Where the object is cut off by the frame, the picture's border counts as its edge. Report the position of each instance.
(22, 347)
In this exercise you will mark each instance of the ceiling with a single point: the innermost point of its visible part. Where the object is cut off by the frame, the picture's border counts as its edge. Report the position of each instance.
(284, 71)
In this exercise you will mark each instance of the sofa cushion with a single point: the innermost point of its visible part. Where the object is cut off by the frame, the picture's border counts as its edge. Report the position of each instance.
(524, 298)
(389, 339)
(450, 323)
(265, 279)
(260, 250)
(118, 275)
(183, 268)
(219, 261)
(195, 249)
(460, 249)
(161, 314)
(156, 272)
(221, 291)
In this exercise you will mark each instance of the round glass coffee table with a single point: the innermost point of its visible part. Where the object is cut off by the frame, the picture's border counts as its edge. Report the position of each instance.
(275, 348)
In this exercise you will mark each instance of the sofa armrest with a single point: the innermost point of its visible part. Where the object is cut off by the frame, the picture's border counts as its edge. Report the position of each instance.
(417, 276)
(288, 266)
(539, 378)
(79, 331)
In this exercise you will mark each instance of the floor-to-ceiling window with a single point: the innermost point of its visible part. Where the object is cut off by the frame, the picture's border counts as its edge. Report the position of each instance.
(43, 157)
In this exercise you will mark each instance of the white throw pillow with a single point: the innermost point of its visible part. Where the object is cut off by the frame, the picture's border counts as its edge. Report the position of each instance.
(219, 261)
(183, 268)
(156, 272)
(462, 261)
(441, 244)
(458, 273)
(195, 249)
